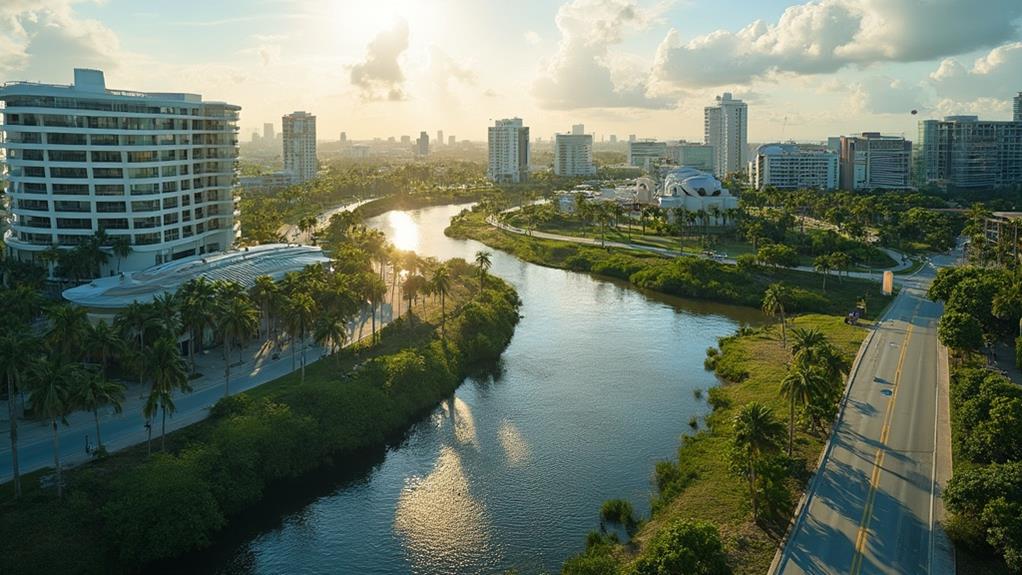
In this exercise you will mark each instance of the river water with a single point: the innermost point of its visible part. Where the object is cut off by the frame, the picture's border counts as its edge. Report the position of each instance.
(596, 386)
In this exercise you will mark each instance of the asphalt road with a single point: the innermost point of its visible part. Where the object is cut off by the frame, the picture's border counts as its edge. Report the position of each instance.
(874, 507)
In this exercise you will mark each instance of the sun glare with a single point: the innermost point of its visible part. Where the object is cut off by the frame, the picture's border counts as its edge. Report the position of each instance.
(405, 231)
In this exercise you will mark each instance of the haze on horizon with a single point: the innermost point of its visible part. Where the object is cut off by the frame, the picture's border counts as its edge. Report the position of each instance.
(390, 67)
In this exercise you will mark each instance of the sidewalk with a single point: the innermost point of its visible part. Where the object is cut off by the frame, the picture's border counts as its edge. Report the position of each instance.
(493, 221)
(35, 438)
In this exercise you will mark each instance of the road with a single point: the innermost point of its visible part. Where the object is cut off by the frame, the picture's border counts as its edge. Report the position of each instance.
(874, 506)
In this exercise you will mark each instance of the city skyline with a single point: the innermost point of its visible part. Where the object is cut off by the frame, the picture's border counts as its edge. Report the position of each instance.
(620, 66)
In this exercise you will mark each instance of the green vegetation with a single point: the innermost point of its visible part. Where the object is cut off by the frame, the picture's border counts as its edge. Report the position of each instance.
(749, 423)
(128, 510)
(618, 511)
(685, 276)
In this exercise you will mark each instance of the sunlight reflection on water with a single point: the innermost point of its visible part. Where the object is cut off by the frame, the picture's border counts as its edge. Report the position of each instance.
(405, 232)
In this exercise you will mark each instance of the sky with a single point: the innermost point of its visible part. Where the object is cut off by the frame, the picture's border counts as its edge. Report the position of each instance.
(380, 68)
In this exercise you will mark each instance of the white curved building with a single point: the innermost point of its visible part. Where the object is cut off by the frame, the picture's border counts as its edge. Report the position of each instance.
(695, 190)
(159, 169)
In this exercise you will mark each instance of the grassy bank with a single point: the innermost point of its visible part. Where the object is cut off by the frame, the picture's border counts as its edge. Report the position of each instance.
(684, 277)
(126, 511)
(421, 200)
(700, 486)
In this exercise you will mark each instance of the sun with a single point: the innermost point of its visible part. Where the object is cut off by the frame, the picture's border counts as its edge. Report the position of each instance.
(367, 19)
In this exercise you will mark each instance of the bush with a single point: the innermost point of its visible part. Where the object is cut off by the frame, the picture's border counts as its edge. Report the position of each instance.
(617, 511)
(717, 399)
(684, 546)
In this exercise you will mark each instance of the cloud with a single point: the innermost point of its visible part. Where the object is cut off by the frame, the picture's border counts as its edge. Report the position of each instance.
(379, 76)
(45, 39)
(827, 35)
(584, 73)
(998, 74)
(532, 38)
(885, 95)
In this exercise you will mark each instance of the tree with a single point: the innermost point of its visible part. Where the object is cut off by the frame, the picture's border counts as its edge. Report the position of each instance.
(440, 284)
(840, 261)
(684, 546)
(121, 247)
(167, 373)
(94, 391)
(800, 386)
(133, 323)
(484, 260)
(330, 331)
(69, 326)
(301, 309)
(263, 292)
(411, 288)
(774, 299)
(236, 319)
(960, 331)
(198, 301)
(104, 342)
(823, 265)
(51, 399)
(18, 351)
(756, 434)
(777, 255)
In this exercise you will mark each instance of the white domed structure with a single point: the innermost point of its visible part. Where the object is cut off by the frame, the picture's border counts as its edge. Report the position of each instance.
(645, 190)
(695, 190)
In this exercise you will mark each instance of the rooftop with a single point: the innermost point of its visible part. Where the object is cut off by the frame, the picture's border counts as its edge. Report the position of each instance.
(242, 266)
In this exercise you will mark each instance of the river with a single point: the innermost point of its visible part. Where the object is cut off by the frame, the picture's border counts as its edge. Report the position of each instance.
(597, 385)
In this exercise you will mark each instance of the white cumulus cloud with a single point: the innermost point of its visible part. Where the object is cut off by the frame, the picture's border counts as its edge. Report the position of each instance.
(379, 76)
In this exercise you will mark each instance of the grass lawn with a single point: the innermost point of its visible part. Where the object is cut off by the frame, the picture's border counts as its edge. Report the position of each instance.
(716, 494)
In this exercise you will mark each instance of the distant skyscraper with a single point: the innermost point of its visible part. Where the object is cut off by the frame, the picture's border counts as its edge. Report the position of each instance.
(451, 140)
(422, 145)
(299, 131)
(391, 139)
(268, 132)
(573, 154)
(156, 169)
(645, 153)
(256, 137)
(344, 137)
(726, 128)
(613, 138)
(1017, 116)
(631, 137)
(872, 161)
(440, 137)
(966, 152)
(406, 140)
(690, 155)
(508, 145)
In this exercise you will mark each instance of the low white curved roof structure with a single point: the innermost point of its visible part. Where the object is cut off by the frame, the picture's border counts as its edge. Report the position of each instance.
(242, 266)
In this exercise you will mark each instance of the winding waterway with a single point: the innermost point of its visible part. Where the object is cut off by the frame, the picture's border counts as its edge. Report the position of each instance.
(596, 386)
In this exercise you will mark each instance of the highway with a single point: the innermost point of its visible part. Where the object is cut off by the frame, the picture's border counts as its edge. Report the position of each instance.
(874, 505)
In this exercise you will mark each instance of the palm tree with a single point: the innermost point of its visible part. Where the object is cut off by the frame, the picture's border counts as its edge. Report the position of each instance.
(263, 292)
(69, 326)
(133, 323)
(104, 342)
(167, 372)
(484, 260)
(823, 264)
(95, 391)
(773, 305)
(411, 288)
(756, 433)
(167, 311)
(121, 246)
(301, 309)
(197, 307)
(376, 290)
(330, 331)
(307, 224)
(18, 350)
(51, 399)
(801, 385)
(236, 319)
(440, 284)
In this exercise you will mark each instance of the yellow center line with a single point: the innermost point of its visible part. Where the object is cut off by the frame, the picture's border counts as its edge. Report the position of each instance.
(878, 459)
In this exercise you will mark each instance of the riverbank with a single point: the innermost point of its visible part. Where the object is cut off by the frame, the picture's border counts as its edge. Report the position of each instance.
(701, 486)
(128, 510)
(687, 277)
(421, 200)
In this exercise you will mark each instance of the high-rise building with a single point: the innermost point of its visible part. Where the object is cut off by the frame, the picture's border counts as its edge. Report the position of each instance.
(508, 147)
(406, 140)
(631, 137)
(613, 138)
(158, 169)
(872, 161)
(344, 137)
(256, 138)
(268, 132)
(1017, 109)
(299, 130)
(422, 145)
(645, 153)
(688, 154)
(573, 154)
(440, 137)
(966, 152)
(578, 129)
(791, 167)
(726, 128)
(451, 140)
